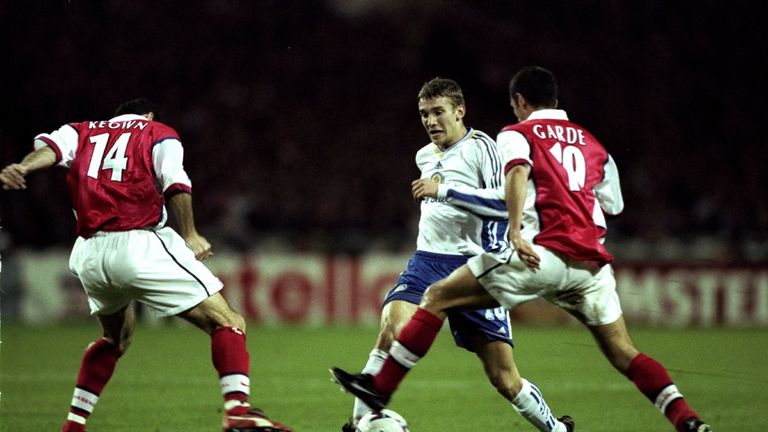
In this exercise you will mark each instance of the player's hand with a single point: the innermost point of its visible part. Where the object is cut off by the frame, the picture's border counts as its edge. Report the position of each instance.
(12, 177)
(199, 245)
(525, 251)
(422, 188)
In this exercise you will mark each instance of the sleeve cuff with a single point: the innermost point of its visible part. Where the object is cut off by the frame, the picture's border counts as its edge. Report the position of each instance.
(513, 163)
(442, 191)
(42, 141)
(175, 189)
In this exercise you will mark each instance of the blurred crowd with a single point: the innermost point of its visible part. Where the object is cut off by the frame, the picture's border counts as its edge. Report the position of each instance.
(300, 124)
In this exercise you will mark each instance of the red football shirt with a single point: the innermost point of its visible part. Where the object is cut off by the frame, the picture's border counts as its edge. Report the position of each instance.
(113, 179)
(568, 173)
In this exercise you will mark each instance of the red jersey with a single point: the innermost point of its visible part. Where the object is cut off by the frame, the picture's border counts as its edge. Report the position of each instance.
(117, 176)
(572, 182)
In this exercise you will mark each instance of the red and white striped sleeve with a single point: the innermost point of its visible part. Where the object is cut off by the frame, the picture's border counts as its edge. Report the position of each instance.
(608, 191)
(62, 141)
(168, 160)
(514, 149)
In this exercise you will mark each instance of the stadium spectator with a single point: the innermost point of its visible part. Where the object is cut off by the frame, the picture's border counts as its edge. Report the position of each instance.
(462, 214)
(121, 171)
(560, 183)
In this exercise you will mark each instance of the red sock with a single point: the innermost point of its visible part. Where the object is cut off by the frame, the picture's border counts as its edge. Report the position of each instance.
(653, 380)
(96, 369)
(412, 344)
(232, 362)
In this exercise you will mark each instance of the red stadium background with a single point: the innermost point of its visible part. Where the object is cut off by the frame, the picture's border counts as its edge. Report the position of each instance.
(320, 289)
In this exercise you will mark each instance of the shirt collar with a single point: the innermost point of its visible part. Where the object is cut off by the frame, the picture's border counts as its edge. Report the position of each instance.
(125, 117)
(548, 114)
(470, 133)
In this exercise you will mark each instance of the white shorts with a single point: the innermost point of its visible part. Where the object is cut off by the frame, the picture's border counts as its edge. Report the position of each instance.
(153, 267)
(585, 290)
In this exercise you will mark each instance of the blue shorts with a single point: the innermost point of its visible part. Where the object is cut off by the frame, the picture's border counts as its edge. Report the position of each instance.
(426, 268)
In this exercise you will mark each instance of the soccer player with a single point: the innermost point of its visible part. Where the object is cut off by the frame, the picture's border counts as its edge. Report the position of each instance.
(462, 215)
(121, 172)
(560, 182)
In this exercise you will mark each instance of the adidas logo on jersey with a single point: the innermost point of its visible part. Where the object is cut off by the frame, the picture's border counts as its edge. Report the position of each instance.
(438, 165)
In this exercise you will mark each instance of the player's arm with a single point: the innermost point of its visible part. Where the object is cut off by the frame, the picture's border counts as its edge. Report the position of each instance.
(484, 202)
(168, 158)
(608, 191)
(180, 205)
(515, 191)
(13, 175)
(516, 156)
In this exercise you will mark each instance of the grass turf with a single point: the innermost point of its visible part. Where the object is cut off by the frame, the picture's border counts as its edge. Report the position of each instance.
(166, 381)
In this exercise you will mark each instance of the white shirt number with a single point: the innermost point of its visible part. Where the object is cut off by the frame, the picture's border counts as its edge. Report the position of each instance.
(115, 159)
(572, 160)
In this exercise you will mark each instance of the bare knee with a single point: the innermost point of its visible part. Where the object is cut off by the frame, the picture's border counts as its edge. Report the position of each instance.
(616, 344)
(214, 313)
(434, 299)
(117, 328)
(505, 382)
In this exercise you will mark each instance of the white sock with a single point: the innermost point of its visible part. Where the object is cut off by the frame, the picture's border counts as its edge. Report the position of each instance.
(530, 404)
(375, 360)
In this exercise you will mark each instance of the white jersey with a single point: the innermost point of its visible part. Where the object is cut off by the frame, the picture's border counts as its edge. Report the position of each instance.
(469, 215)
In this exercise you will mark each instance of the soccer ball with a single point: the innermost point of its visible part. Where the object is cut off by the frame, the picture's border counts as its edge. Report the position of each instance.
(384, 421)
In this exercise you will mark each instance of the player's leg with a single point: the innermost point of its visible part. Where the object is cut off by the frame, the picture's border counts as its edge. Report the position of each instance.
(228, 348)
(459, 289)
(593, 300)
(394, 315)
(500, 368)
(232, 362)
(400, 304)
(650, 376)
(98, 365)
(168, 278)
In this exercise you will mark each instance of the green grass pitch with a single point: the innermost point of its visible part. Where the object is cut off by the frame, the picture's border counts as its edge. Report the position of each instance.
(166, 381)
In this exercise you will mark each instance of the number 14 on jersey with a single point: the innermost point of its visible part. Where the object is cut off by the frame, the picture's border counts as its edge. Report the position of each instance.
(115, 159)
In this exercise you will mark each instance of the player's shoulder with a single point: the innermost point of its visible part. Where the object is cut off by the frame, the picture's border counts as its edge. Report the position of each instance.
(76, 126)
(482, 137)
(514, 127)
(482, 145)
(483, 140)
(426, 152)
(162, 127)
(512, 134)
(162, 132)
(581, 128)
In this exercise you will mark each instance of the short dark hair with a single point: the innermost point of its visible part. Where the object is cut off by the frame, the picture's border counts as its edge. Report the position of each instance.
(438, 87)
(537, 85)
(138, 106)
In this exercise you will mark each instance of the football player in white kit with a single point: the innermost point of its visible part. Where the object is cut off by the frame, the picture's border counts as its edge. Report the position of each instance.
(560, 182)
(462, 215)
(121, 173)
